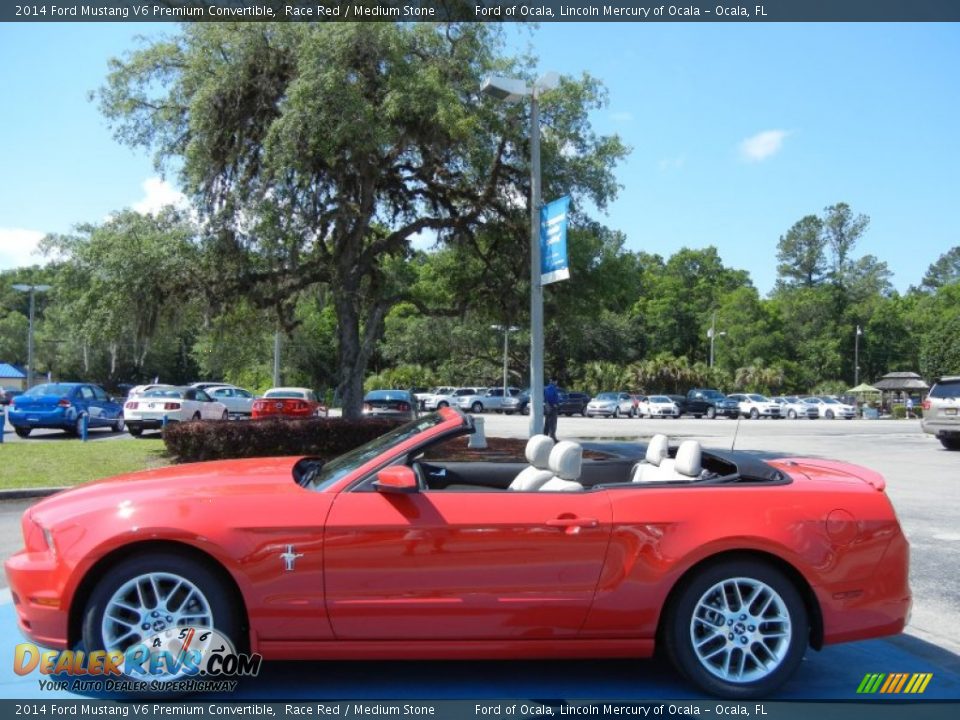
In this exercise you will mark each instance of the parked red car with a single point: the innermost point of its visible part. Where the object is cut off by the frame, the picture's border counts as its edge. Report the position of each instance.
(735, 564)
(292, 402)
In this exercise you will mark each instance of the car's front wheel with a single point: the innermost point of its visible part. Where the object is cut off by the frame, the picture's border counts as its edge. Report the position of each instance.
(477, 407)
(829, 415)
(738, 629)
(711, 412)
(792, 414)
(754, 413)
(157, 594)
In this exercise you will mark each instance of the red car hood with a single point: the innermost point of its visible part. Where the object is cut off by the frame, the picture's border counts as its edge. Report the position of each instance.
(194, 481)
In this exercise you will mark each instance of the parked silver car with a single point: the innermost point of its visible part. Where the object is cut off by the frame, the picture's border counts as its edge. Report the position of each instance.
(831, 408)
(487, 401)
(793, 407)
(941, 412)
(611, 404)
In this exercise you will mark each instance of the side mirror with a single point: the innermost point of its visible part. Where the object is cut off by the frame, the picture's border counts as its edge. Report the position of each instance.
(396, 479)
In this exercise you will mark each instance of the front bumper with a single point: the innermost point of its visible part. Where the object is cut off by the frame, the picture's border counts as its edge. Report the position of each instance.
(41, 611)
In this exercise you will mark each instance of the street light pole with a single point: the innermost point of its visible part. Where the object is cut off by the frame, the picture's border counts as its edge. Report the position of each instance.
(507, 329)
(712, 334)
(513, 90)
(32, 289)
(856, 357)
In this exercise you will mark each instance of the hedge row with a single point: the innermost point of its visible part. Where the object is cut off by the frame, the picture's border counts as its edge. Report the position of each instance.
(220, 440)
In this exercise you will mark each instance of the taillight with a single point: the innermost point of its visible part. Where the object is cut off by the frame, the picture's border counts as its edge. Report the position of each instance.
(926, 404)
(301, 405)
(63, 402)
(171, 406)
(131, 406)
(403, 406)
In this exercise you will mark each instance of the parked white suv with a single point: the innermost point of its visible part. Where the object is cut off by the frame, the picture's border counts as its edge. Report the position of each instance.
(753, 405)
(438, 397)
(941, 412)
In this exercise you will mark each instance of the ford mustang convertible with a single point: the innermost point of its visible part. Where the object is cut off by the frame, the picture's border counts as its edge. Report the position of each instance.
(409, 548)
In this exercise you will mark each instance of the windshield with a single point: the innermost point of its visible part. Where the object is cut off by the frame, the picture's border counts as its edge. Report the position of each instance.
(831, 401)
(712, 394)
(342, 466)
(49, 389)
(758, 398)
(660, 399)
(949, 389)
(168, 392)
(607, 396)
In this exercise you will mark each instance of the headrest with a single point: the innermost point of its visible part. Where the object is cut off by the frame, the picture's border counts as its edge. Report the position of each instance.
(566, 459)
(538, 451)
(657, 449)
(688, 459)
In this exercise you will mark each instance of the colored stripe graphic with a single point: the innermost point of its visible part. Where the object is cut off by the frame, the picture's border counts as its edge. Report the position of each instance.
(894, 683)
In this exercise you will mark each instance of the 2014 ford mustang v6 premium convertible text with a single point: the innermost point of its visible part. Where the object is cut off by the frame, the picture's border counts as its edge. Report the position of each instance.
(734, 565)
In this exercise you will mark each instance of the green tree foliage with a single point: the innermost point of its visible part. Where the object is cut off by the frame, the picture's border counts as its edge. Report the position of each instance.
(317, 151)
(801, 253)
(944, 271)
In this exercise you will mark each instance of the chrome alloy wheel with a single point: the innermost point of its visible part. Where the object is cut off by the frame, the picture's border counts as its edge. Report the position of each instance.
(740, 630)
(150, 604)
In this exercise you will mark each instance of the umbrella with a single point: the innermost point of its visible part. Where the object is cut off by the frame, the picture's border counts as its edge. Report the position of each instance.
(864, 389)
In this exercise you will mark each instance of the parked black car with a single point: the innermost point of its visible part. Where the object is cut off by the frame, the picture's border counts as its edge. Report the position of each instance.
(701, 402)
(572, 403)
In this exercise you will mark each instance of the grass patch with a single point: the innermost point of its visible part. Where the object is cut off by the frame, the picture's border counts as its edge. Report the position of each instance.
(71, 462)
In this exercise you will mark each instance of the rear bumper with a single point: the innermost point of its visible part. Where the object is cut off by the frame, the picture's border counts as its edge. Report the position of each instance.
(53, 419)
(940, 428)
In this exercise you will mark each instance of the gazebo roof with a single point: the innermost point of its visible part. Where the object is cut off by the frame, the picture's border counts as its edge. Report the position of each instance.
(901, 381)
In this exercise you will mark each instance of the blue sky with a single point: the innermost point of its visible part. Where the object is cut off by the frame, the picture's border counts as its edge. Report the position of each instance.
(737, 131)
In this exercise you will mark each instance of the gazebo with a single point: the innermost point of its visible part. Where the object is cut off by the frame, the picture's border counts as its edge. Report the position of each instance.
(903, 384)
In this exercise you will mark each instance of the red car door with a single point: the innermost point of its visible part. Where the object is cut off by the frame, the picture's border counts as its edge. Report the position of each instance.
(463, 565)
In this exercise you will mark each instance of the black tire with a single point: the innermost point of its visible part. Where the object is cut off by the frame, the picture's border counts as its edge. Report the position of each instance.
(754, 414)
(792, 414)
(477, 407)
(685, 633)
(829, 414)
(697, 417)
(196, 416)
(525, 410)
(225, 416)
(442, 404)
(711, 413)
(950, 442)
(214, 593)
(23, 431)
(135, 430)
(117, 425)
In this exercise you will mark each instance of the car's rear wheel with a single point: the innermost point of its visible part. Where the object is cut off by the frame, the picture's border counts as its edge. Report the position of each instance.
(117, 425)
(477, 407)
(78, 425)
(792, 414)
(135, 430)
(754, 413)
(738, 629)
(711, 413)
(616, 412)
(196, 416)
(157, 594)
(442, 405)
(829, 415)
(225, 416)
(950, 442)
(23, 431)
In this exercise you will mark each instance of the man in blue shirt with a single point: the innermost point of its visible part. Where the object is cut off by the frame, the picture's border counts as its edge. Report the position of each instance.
(551, 408)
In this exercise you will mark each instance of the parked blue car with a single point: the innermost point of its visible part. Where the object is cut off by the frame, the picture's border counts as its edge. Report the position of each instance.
(64, 405)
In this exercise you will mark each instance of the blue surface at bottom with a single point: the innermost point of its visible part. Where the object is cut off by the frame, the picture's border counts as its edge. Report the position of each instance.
(831, 674)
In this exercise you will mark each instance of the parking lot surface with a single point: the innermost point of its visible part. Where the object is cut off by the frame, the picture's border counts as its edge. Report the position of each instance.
(922, 482)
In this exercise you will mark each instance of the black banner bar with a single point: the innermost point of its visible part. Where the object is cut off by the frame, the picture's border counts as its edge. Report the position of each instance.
(482, 10)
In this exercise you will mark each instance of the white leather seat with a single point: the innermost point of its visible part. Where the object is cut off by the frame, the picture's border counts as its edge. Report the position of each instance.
(686, 466)
(538, 455)
(566, 462)
(656, 454)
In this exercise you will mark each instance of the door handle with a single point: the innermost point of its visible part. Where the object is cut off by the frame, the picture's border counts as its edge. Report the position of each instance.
(572, 525)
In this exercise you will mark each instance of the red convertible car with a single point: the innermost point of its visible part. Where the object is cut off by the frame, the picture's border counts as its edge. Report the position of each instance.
(734, 565)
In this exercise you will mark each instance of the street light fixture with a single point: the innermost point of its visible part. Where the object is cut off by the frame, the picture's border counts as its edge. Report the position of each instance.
(713, 334)
(856, 357)
(32, 289)
(514, 90)
(507, 329)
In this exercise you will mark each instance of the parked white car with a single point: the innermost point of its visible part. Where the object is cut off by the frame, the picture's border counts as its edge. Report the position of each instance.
(659, 406)
(831, 408)
(170, 404)
(438, 397)
(490, 400)
(237, 400)
(611, 404)
(793, 407)
(754, 405)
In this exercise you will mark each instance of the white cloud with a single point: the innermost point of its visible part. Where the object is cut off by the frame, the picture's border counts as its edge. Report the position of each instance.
(762, 145)
(18, 248)
(622, 117)
(157, 194)
(673, 164)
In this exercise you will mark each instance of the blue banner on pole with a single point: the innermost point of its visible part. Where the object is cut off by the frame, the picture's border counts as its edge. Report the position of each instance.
(553, 241)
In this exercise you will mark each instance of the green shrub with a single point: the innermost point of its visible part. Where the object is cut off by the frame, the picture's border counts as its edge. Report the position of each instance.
(323, 437)
(899, 412)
